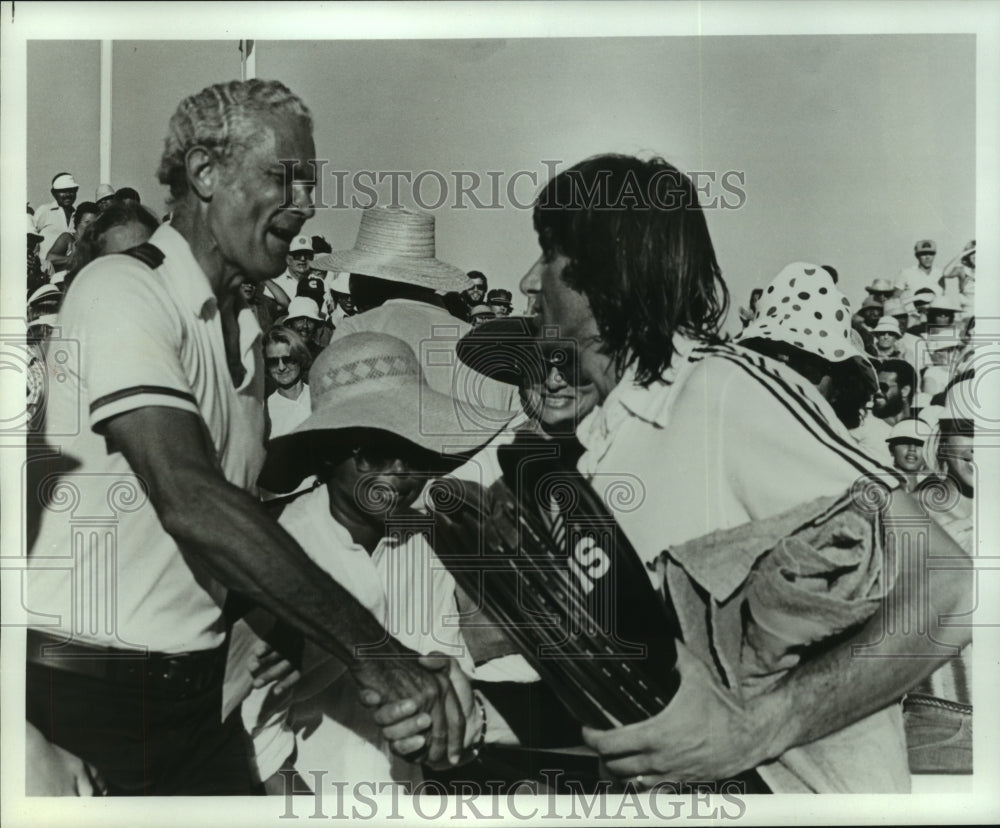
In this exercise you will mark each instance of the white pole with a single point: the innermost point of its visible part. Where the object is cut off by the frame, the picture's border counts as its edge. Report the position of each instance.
(251, 59)
(105, 128)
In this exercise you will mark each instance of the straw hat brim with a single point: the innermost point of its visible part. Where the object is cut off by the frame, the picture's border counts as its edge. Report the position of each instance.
(424, 272)
(440, 424)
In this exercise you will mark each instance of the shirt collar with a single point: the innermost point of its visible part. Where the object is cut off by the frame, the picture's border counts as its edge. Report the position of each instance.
(186, 275)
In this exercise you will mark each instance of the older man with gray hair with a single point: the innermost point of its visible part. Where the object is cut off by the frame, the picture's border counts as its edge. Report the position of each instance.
(127, 655)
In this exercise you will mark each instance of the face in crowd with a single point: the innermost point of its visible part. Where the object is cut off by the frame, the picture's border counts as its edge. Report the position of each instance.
(303, 326)
(300, 263)
(871, 316)
(65, 198)
(885, 341)
(475, 294)
(381, 475)
(908, 456)
(940, 316)
(926, 260)
(84, 220)
(557, 404)
(282, 366)
(888, 400)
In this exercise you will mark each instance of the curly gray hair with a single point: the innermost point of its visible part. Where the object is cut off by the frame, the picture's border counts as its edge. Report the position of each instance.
(223, 118)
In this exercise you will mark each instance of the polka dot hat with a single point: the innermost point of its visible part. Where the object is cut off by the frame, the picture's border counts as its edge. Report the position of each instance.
(804, 308)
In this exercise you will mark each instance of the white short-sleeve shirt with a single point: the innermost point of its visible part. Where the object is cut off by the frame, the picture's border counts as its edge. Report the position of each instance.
(103, 570)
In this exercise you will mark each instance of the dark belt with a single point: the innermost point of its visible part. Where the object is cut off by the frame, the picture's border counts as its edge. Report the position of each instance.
(171, 674)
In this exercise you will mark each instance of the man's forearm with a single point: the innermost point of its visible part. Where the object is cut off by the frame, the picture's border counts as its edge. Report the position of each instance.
(883, 659)
(226, 532)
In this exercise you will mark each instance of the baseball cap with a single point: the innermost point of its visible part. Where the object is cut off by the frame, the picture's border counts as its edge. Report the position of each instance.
(311, 286)
(924, 246)
(64, 181)
(300, 243)
(499, 297)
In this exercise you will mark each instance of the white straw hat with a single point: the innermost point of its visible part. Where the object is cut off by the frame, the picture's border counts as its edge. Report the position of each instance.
(397, 244)
(803, 308)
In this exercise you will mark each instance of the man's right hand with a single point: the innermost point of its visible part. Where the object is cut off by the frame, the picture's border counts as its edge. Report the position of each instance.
(52, 771)
(420, 689)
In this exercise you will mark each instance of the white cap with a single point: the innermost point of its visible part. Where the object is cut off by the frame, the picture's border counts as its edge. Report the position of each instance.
(64, 181)
(300, 243)
(303, 306)
(104, 191)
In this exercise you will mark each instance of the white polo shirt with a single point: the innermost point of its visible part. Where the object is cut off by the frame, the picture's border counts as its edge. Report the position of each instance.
(51, 223)
(102, 567)
(411, 593)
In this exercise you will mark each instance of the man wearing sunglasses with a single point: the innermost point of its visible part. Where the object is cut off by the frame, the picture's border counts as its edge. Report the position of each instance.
(299, 261)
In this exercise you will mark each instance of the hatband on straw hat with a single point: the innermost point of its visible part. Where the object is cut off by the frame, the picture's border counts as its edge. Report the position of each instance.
(802, 307)
(397, 244)
(373, 381)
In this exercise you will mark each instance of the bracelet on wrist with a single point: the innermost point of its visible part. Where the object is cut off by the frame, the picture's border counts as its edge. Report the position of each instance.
(480, 742)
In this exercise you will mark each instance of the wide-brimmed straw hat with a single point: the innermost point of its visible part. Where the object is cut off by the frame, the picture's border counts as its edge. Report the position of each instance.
(880, 286)
(397, 244)
(802, 307)
(373, 381)
(946, 302)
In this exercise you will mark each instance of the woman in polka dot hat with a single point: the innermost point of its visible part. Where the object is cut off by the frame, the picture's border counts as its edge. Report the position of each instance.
(805, 321)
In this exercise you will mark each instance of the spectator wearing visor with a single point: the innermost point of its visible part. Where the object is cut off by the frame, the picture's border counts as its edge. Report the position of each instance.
(56, 217)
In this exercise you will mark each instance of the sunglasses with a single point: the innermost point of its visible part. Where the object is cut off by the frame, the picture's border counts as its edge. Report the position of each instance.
(302, 257)
(274, 362)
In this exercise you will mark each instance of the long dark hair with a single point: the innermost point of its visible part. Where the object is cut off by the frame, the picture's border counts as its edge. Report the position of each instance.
(641, 253)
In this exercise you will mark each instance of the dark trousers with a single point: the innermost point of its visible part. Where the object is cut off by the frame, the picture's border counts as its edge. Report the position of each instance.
(142, 739)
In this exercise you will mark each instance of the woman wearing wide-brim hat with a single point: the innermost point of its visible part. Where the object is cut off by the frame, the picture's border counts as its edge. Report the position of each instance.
(376, 436)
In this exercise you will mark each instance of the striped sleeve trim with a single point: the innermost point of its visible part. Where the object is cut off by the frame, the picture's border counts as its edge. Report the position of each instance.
(140, 396)
(805, 411)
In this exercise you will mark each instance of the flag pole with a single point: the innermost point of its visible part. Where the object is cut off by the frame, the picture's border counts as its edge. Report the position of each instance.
(104, 131)
(248, 60)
